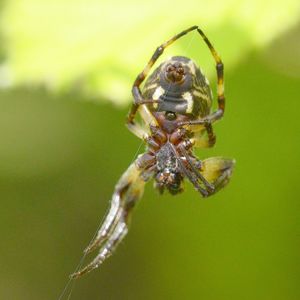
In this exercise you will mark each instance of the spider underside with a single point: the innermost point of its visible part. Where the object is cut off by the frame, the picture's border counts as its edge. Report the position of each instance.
(175, 107)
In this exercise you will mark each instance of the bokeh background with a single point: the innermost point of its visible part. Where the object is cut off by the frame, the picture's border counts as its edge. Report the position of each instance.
(66, 69)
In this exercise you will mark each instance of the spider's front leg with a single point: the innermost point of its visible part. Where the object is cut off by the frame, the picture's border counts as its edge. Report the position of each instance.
(143, 131)
(136, 92)
(218, 114)
(127, 192)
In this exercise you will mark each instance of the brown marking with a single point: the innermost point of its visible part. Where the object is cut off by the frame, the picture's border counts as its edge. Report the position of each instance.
(177, 136)
(146, 161)
(153, 143)
(175, 73)
(158, 134)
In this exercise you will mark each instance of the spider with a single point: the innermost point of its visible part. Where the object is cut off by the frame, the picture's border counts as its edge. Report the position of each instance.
(175, 109)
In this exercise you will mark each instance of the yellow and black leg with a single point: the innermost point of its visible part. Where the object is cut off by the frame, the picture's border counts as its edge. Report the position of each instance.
(220, 88)
(217, 171)
(204, 138)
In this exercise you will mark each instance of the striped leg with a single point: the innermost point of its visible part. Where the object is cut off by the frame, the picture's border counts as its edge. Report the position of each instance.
(200, 139)
(220, 77)
(220, 90)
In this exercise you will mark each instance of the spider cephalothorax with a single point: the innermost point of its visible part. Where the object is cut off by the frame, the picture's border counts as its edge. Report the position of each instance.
(175, 106)
(167, 173)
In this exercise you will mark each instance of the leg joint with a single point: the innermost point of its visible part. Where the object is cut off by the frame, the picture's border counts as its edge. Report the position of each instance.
(220, 66)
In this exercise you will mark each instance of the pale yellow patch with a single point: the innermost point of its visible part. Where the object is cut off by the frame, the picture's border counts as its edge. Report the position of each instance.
(150, 87)
(158, 92)
(220, 89)
(191, 65)
(146, 115)
(198, 94)
(201, 95)
(190, 102)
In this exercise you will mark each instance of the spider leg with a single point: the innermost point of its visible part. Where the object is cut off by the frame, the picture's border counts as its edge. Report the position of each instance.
(208, 186)
(217, 171)
(188, 173)
(120, 231)
(218, 114)
(220, 77)
(142, 130)
(138, 130)
(128, 191)
(200, 140)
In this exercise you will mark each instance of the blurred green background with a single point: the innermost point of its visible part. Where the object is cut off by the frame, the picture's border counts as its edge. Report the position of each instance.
(65, 75)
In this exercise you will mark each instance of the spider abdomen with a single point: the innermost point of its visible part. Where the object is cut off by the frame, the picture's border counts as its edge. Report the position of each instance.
(179, 86)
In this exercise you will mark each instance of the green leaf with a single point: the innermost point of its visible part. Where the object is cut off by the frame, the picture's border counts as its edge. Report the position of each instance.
(98, 47)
